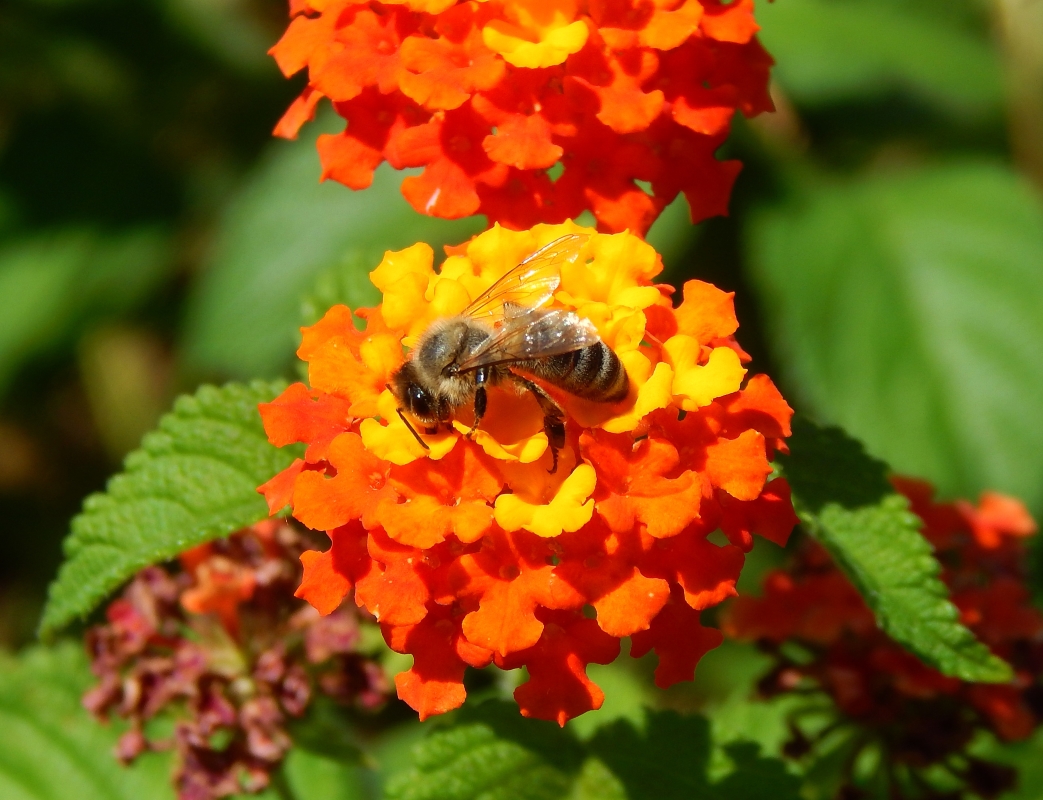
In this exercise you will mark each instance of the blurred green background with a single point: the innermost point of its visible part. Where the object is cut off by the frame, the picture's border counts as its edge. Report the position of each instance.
(885, 240)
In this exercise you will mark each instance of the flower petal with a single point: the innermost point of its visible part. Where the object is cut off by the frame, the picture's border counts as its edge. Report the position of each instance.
(569, 510)
(558, 687)
(699, 385)
(678, 639)
(329, 576)
(300, 415)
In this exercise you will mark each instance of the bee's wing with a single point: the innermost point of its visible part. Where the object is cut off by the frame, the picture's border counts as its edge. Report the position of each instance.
(531, 334)
(529, 284)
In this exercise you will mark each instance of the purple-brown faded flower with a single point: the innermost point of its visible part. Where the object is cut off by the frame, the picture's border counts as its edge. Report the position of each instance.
(226, 648)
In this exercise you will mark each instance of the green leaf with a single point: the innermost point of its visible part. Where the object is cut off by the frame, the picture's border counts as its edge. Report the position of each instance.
(668, 760)
(52, 285)
(306, 775)
(283, 230)
(51, 748)
(194, 479)
(828, 51)
(345, 283)
(492, 752)
(906, 308)
(736, 713)
(326, 731)
(843, 498)
(674, 756)
(754, 777)
(627, 693)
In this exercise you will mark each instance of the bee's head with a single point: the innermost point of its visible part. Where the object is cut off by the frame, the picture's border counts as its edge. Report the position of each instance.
(412, 396)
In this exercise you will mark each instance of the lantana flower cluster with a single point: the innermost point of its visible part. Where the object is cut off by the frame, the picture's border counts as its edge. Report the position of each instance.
(225, 648)
(472, 551)
(920, 717)
(531, 110)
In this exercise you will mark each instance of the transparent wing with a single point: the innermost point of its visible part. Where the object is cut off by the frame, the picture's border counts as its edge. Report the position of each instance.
(532, 333)
(531, 283)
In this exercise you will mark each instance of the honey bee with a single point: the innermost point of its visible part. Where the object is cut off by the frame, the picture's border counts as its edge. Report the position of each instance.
(506, 336)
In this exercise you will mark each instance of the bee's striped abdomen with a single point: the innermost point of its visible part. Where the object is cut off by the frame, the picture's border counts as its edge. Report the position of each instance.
(593, 373)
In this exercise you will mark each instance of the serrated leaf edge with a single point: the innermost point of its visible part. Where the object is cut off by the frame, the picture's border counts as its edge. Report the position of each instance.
(975, 663)
(184, 406)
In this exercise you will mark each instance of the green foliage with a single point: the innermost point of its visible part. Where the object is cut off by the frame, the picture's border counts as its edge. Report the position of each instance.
(627, 694)
(326, 731)
(51, 744)
(232, 31)
(491, 756)
(50, 747)
(672, 233)
(53, 285)
(194, 479)
(307, 775)
(906, 308)
(345, 283)
(726, 683)
(1025, 756)
(843, 499)
(860, 49)
(491, 752)
(283, 230)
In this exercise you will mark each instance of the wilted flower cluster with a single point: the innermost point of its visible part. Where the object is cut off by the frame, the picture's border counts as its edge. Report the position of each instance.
(226, 649)
(920, 718)
(472, 551)
(532, 110)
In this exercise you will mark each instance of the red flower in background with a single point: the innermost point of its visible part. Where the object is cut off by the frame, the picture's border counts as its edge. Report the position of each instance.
(471, 552)
(226, 647)
(921, 717)
(629, 98)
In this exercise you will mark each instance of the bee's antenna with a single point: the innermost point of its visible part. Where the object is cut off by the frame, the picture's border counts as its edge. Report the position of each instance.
(402, 417)
(412, 430)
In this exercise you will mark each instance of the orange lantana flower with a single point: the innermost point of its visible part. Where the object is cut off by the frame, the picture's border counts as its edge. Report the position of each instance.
(488, 95)
(470, 549)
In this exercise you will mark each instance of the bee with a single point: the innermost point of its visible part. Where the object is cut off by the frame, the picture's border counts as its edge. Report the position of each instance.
(507, 336)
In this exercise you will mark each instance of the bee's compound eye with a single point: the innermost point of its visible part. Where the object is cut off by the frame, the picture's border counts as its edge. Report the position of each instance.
(419, 402)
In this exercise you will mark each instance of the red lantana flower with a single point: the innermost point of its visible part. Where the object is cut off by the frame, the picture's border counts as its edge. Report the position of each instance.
(629, 98)
(921, 717)
(472, 551)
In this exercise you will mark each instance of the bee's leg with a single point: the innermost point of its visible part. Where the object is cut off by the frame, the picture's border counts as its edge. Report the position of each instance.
(481, 377)
(553, 419)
